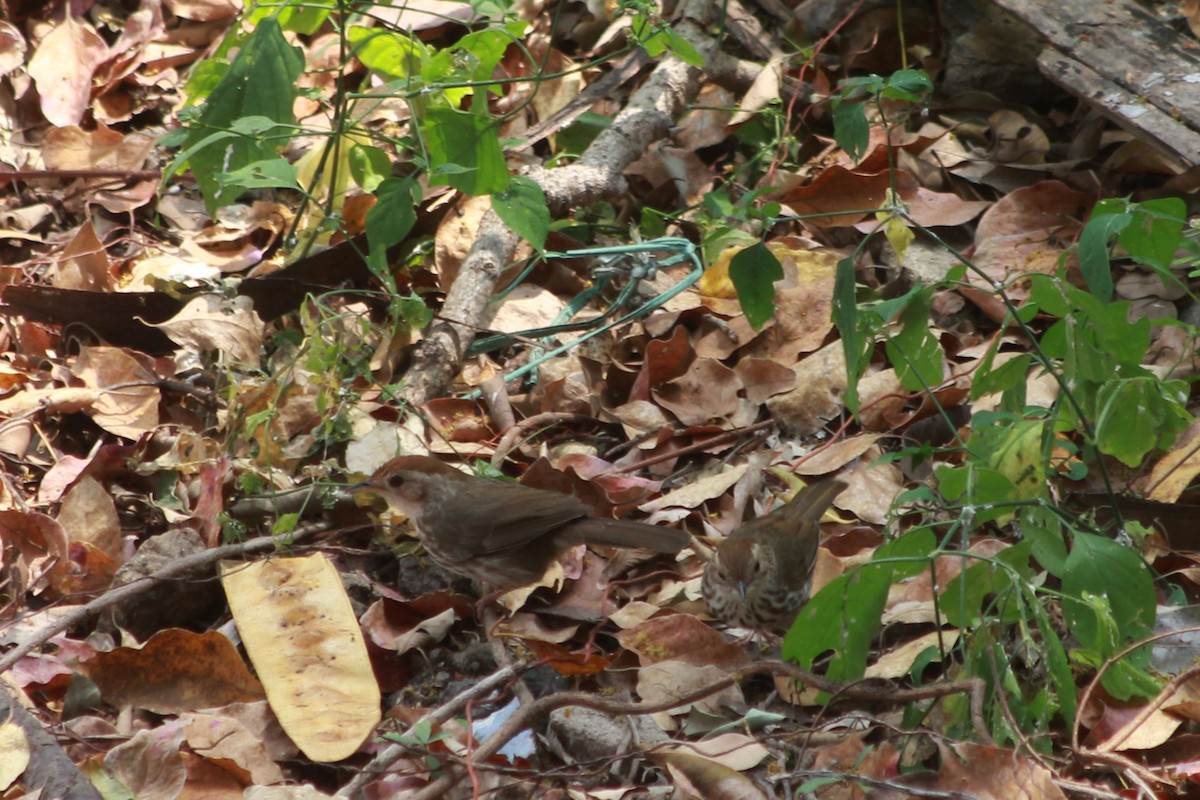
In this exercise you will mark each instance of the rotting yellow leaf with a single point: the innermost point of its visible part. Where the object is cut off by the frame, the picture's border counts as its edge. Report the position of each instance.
(715, 281)
(894, 227)
(305, 642)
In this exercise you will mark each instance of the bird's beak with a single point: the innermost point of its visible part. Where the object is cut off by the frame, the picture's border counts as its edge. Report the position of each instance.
(364, 494)
(741, 590)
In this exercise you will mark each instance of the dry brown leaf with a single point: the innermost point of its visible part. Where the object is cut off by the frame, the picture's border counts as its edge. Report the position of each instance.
(176, 670)
(208, 780)
(708, 391)
(672, 636)
(872, 489)
(523, 308)
(704, 123)
(803, 302)
(89, 515)
(73, 147)
(203, 10)
(128, 399)
(708, 486)
(994, 773)
(840, 197)
(398, 632)
(1172, 475)
(820, 386)
(66, 400)
(896, 662)
(934, 209)
(84, 264)
(41, 543)
(12, 48)
(696, 776)
(210, 323)
(1028, 230)
(223, 738)
(665, 681)
(764, 377)
(732, 750)
(455, 235)
(62, 68)
(762, 92)
(149, 765)
(1016, 139)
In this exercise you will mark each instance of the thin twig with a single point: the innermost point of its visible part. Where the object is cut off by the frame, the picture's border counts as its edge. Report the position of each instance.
(175, 569)
(393, 753)
(530, 715)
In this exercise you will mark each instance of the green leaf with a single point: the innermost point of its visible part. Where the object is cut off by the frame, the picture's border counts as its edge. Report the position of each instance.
(486, 48)
(1047, 292)
(1099, 566)
(1128, 678)
(985, 491)
(393, 54)
(908, 84)
(754, 271)
(1009, 377)
(1155, 232)
(1043, 529)
(1094, 242)
(915, 352)
(989, 582)
(850, 128)
(682, 49)
(1055, 656)
(579, 134)
(844, 616)
(261, 82)
(303, 18)
(1017, 454)
(522, 207)
(1137, 415)
(274, 173)
(846, 318)
(389, 221)
(369, 166)
(658, 38)
(464, 151)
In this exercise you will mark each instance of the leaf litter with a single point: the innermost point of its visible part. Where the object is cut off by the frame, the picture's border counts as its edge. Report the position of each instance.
(276, 379)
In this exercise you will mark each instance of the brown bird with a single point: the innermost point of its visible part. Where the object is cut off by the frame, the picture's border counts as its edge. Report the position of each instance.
(760, 574)
(500, 533)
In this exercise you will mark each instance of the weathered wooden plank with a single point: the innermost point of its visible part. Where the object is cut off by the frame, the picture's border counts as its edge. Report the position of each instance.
(1126, 61)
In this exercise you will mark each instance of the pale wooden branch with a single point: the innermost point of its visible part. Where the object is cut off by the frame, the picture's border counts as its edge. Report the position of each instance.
(597, 175)
(50, 770)
(176, 569)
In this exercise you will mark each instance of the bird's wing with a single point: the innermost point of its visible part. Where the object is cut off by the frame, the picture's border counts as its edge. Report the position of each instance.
(811, 501)
(516, 514)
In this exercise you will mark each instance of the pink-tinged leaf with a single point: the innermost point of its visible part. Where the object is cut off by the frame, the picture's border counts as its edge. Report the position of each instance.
(62, 69)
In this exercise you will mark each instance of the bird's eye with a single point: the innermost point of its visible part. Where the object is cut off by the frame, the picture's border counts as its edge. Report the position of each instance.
(395, 481)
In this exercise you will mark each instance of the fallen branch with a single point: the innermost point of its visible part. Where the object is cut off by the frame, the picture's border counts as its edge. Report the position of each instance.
(180, 567)
(530, 715)
(50, 770)
(597, 175)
